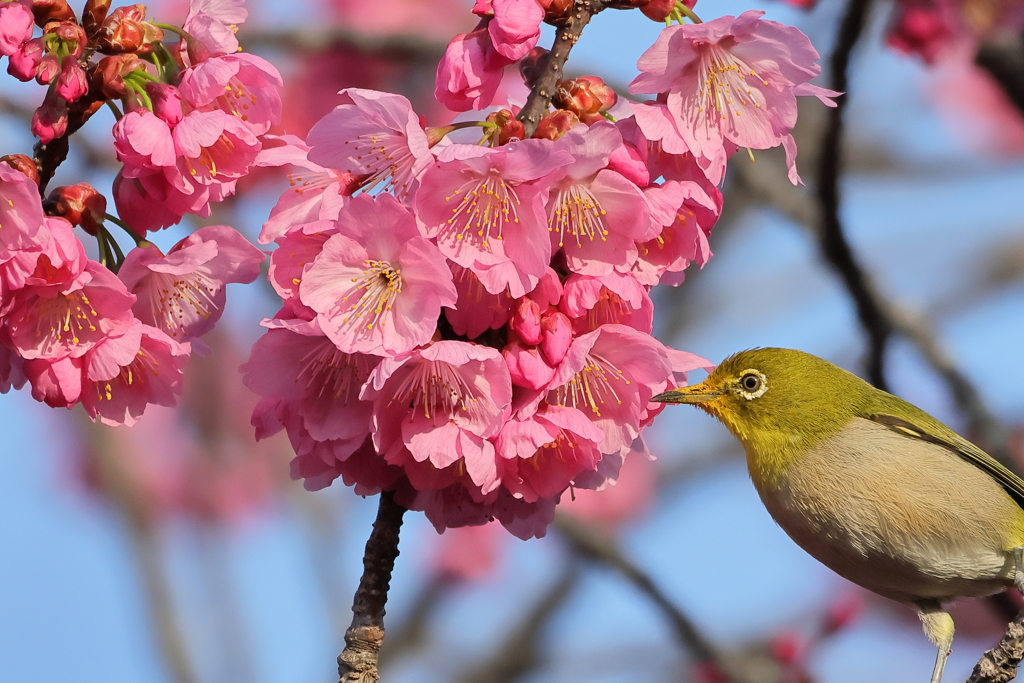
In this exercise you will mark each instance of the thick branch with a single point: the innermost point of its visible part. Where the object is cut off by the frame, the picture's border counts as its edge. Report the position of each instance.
(1003, 58)
(358, 662)
(834, 245)
(999, 664)
(544, 87)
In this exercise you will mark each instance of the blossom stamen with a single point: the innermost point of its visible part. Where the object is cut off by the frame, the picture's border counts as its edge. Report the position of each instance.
(377, 289)
(577, 212)
(590, 388)
(486, 207)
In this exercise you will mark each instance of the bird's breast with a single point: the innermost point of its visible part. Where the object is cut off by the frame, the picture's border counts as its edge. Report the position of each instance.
(902, 517)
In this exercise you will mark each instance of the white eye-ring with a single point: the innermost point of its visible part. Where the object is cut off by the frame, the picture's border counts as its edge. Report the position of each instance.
(752, 384)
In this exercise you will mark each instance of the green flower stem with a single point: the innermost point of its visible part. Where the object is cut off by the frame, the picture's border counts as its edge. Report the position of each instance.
(139, 240)
(688, 13)
(113, 107)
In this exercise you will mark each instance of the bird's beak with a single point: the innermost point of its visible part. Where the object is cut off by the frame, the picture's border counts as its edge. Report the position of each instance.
(698, 393)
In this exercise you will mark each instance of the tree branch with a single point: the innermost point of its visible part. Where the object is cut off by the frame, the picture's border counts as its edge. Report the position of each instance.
(358, 662)
(834, 244)
(999, 664)
(544, 87)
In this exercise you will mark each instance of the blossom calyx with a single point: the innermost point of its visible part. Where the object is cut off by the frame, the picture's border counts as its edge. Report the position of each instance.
(556, 124)
(108, 75)
(46, 11)
(63, 38)
(508, 128)
(586, 96)
(78, 204)
(23, 164)
(126, 30)
(93, 15)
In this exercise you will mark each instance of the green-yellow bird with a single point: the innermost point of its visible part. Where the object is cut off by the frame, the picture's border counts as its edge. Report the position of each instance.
(874, 488)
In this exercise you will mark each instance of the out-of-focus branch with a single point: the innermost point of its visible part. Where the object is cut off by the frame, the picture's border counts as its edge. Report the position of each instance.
(520, 653)
(313, 40)
(834, 244)
(413, 631)
(565, 38)
(1003, 58)
(999, 664)
(595, 544)
(358, 661)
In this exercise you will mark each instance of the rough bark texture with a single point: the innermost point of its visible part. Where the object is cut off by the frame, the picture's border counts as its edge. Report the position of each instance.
(999, 664)
(358, 662)
(565, 38)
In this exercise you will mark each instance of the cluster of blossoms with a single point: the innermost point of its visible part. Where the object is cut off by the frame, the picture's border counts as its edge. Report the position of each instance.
(113, 334)
(469, 325)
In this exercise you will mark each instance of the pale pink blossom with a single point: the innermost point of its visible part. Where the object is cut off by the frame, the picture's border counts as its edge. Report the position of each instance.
(476, 309)
(732, 79)
(21, 214)
(57, 382)
(243, 85)
(515, 27)
(468, 553)
(143, 143)
(378, 286)
(51, 325)
(442, 403)
(296, 250)
(16, 24)
(470, 71)
(615, 298)
(183, 293)
(129, 370)
(212, 147)
(594, 213)
(316, 193)
(541, 455)
(376, 135)
(485, 208)
(629, 499)
(214, 23)
(688, 213)
(317, 387)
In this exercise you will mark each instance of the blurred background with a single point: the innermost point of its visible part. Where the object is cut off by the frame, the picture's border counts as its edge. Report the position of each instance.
(179, 551)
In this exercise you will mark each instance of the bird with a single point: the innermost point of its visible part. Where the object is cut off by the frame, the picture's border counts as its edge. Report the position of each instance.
(871, 486)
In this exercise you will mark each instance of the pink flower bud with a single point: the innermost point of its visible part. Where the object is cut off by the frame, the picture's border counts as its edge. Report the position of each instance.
(527, 367)
(78, 204)
(658, 10)
(22, 164)
(526, 321)
(124, 30)
(556, 11)
(556, 333)
(788, 648)
(64, 38)
(71, 84)
(50, 120)
(842, 612)
(166, 102)
(509, 128)
(24, 64)
(48, 69)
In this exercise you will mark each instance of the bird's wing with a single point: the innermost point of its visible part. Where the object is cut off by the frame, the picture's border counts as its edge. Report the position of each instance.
(1013, 484)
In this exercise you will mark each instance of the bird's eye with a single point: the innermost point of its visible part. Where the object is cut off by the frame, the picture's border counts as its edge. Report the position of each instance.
(750, 382)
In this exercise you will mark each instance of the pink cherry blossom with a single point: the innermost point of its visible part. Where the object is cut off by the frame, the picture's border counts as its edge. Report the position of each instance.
(595, 214)
(318, 388)
(730, 79)
(16, 24)
(515, 27)
(540, 456)
(150, 202)
(317, 193)
(684, 238)
(376, 135)
(46, 324)
(476, 310)
(615, 298)
(130, 370)
(442, 403)
(183, 293)
(143, 143)
(377, 286)
(470, 72)
(243, 85)
(296, 250)
(214, 22)
(57, 382)
(24, 62)
(213, 147)
(526, 366)
(485, 207)
(50, 265)
(21, 213)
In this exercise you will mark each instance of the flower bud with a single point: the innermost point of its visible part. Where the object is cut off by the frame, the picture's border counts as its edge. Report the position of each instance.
(46, 11)
(658, 10)
(508, 127)
(556, 124)
(532, 65)
(78, 204)
(50, 120)
(93, 15)
(556, 336)
(556, 11)
(166, 102)
(48, 69)
(22, 164)
(24, 64)
(71, 84)
(108, 76)
(527, 367)
(842, 612)
(122, 31)
(64, 38)
(586, 96)
(526, 321)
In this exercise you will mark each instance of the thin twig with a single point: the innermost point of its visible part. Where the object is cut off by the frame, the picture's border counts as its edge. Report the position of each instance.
(999, 664)
(358, 662)
(565, 38)
(834, 244)
(594, 543)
